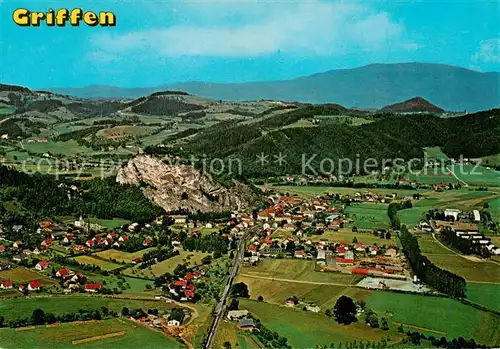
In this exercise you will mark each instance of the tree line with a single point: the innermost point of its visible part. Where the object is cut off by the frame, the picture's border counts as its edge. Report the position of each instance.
(439, 279)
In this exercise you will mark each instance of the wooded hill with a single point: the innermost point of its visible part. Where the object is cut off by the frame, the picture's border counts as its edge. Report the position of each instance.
(387, 137)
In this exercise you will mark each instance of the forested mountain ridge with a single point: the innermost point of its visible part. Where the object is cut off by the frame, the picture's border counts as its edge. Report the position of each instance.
(386, 137)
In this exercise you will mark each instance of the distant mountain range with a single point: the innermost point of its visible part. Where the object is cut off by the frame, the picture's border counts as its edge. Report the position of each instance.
(372, 86)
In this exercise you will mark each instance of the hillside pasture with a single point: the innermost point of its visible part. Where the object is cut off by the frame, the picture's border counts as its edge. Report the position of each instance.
(477, 175)
(492, 160)
(118, 132)
(433, 175)
(435, 153)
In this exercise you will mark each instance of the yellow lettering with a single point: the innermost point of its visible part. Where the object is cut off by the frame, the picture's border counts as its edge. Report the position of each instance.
(61, 17)
(76, 16)
(90, 18)
(24, 17)
(107, 19)
(21, 17)
(50, 18)
(36, 18)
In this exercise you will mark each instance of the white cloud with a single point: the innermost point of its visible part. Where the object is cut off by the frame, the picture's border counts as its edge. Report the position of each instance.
(253, 29)
(489, 52)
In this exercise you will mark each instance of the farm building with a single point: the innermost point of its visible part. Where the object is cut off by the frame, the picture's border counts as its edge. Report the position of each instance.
(246, 324)
(236, 314)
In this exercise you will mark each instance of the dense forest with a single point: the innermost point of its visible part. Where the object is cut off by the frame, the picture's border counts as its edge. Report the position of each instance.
(26, 197)
(387, 137)
(164, 105)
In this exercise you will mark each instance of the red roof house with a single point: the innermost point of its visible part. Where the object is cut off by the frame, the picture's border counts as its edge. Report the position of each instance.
(42, 265)
(93, 287)
(34, 285)
(339, 260)
(182, 283)
(63, 273)
(188, 293)
(7, 284)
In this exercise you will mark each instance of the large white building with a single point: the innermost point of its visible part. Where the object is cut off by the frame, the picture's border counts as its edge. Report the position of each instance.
(452, 213)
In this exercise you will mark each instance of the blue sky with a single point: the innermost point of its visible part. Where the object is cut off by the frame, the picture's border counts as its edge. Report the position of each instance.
(158, 42)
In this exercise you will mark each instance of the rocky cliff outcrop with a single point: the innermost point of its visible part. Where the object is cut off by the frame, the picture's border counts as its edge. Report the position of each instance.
(183, 187)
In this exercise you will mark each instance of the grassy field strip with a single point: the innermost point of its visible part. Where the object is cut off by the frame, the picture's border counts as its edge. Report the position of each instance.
(98, 338)
(483, 282)
(418, 328)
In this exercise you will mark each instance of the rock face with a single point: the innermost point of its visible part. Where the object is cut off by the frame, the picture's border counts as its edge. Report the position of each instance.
(174, 187)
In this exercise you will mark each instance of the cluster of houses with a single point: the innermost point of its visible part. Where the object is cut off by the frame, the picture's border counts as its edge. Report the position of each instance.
(184, 288)
(469, 232)
(32, 286)
(71, 281)
(175, 318)
(74, 282)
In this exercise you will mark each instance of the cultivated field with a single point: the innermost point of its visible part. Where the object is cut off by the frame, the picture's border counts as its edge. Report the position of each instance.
(471, 269)
(128, 335)
(168, 265)
(121, 256)
(494, 209)
(479, 176)
(277, 292)
(109, 223)
(368, 215)
(69, 148)
(22, 275)
(104, 265)
(435, 153)
(307, 329)
(229, 332)
(293, 269)
(485, 294)
(465, 199)
(347, 235)
(117, 132)
(310, 191)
